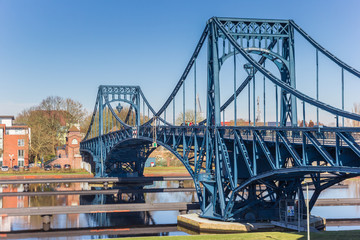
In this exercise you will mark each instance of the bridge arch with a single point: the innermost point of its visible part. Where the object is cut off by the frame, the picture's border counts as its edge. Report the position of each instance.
(146, 140)
(278, 60)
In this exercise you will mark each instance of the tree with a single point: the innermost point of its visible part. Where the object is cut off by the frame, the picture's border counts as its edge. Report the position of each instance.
(85, 124)
(42, 137)
(49, 123)
(189, 117)
(301, 124)
(356, 109)
(239, 122)
(311, 124)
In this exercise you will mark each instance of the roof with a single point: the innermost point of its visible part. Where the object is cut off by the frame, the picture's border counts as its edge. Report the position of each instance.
(17, 126)
(74, 129)
(7, 116)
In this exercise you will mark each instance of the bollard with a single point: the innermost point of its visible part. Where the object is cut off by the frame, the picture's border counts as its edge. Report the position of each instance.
(46, 219)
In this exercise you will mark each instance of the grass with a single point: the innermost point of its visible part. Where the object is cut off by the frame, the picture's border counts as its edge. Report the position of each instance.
(39, 171)
(339, 235)
(163, 171)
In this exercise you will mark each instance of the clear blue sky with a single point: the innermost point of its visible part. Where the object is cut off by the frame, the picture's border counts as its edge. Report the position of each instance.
(69, 47)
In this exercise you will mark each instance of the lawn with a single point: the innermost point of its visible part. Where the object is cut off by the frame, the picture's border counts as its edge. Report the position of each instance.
(37, 172)
(340, 235)
(166, 171)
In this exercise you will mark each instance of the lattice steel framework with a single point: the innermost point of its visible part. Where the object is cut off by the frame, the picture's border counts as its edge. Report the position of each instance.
(239, 172)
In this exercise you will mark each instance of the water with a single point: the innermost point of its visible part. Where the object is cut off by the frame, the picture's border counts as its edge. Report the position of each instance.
(353, 191)
(93, 219)
(137, 218)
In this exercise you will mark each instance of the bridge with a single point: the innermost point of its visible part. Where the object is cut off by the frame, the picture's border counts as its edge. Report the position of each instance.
(243, 171)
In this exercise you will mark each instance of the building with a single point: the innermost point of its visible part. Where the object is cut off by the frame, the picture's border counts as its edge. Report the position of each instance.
(70, 152)
(14, 143)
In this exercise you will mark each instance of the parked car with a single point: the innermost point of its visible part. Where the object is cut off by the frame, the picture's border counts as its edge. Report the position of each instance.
(47, 168)
(67, 166)
(4, 168)
(57, 167)
(16, 168)
(26, 168)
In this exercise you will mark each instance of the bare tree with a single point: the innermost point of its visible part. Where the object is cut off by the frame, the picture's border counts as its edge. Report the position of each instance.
(42, 136)
(189, 117)
(49, 123)
(356, 109)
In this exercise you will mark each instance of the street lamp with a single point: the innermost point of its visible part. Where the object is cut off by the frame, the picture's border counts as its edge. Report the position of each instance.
(11, 159)
(307, 210)
(119, 108)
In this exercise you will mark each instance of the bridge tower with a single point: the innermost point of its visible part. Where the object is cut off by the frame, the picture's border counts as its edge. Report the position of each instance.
(280, 34)
(106, 118)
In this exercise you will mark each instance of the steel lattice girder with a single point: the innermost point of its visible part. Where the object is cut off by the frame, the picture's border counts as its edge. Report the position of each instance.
(235, 170)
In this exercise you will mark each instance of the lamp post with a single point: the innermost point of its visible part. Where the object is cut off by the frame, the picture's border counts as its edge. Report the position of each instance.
(307, 210)
(11, 160)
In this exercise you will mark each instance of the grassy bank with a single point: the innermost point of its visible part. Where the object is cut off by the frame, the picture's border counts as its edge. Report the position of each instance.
(166, 171)
(339, 235)
(39, 172)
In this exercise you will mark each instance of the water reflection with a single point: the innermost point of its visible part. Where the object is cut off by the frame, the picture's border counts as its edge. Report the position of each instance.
(352, 190)
(93, 219)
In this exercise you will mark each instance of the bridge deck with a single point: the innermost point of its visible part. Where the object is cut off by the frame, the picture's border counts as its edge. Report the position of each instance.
(106, 208)
(95, 180)
(120, 231)
(98, 191)
(138, 207)
(117, 191)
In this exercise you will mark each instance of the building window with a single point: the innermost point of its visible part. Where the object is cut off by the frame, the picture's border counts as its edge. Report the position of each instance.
(74, 142)
(1, 163)
(20, 154)
(20, 162)
(20, 158)
(21, 142)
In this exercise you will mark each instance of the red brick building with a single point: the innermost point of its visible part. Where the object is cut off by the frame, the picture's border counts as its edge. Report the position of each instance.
(14, 143)
(70, 153)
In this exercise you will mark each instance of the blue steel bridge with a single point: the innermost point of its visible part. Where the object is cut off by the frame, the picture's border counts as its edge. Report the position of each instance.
(239, 171)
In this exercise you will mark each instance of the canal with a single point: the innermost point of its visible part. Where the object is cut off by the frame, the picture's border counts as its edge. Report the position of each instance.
(349, 189)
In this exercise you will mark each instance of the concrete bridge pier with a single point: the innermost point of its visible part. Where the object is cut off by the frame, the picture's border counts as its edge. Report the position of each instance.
(46, 221)
(26, 187)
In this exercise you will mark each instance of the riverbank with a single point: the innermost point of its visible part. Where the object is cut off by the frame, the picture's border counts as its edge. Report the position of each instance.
(339, 235)
(165, 171)
(39, 174)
